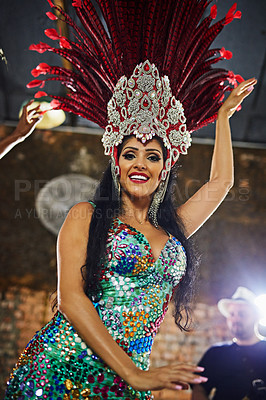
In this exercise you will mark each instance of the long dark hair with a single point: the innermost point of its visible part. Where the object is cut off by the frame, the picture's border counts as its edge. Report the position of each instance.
(106, 208)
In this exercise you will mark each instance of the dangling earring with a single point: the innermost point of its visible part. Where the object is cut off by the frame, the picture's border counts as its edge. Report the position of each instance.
(157, 200)
(154, 206)
(115, 176)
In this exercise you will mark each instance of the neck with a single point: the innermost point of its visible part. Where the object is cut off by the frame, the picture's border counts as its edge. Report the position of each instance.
(247, 342)
(135, 209)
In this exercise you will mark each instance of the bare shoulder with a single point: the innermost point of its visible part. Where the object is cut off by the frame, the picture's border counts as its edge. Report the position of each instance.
(78, 220)
(82, 210)
(72, 244)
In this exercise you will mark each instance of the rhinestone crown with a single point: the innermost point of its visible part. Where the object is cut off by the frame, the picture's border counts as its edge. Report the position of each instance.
(143, 106)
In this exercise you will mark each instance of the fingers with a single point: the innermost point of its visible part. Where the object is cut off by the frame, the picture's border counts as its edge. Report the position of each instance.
(34, 115)
(247, 85)
(188, 367)
(36, 109)
(173, 377)
(187, 370)
(185, 374)
(187, 378)
(248, 82)
(25, 107)
(29, 103)
(246, 91)
(35, 121)
(232, 103)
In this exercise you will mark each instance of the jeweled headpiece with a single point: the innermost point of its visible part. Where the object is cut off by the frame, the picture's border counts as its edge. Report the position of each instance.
(174, 89)
(143, 106)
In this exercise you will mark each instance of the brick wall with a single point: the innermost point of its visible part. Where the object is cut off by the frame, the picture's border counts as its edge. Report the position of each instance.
(23, 311)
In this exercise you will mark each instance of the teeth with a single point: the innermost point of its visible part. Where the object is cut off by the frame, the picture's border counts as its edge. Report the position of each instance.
(139, 177)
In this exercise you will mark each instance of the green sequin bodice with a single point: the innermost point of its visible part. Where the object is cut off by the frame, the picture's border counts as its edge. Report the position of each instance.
(58, 365)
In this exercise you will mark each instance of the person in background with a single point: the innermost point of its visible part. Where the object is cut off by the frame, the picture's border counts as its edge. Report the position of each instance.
(26, 125)
(236, 370)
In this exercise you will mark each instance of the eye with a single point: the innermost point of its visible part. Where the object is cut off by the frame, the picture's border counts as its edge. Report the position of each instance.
(154, 158)
(128, 156)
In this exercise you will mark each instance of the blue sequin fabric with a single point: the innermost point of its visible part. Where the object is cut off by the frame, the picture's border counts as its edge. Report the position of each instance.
(58, 365)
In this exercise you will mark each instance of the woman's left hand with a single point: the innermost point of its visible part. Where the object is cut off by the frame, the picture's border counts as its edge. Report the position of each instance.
(237, 96)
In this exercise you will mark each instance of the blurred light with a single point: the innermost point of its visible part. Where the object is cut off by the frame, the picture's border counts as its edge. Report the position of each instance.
(260, 302)
(51, 119)
(262, 322)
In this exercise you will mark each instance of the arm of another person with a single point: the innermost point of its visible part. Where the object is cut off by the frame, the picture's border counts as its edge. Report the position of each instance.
(26, 125)
(79, 310)
(198, 208)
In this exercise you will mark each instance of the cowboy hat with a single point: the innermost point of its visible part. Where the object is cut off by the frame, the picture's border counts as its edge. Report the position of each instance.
(242, 295)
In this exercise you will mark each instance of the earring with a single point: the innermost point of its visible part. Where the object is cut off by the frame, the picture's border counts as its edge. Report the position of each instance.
(157, 200)
(115, 176)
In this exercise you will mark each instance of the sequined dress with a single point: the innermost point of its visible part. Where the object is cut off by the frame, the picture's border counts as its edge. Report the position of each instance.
(58, 365)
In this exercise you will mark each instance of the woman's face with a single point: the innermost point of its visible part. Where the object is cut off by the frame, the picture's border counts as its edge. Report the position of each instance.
(140, 167)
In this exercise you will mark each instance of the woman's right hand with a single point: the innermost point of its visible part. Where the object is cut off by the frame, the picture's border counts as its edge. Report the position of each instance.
(175, 377)
(28, 120)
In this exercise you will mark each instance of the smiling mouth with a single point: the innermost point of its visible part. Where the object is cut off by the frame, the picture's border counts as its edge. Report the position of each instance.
(136, 178)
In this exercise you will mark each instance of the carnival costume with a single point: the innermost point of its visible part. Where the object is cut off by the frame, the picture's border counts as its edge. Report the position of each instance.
(141, 68)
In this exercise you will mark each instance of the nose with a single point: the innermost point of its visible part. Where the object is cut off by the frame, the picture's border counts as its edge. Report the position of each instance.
(236, 318)
(140, 163)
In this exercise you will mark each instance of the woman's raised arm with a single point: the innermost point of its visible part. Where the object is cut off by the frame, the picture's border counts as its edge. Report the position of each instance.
(198, 208)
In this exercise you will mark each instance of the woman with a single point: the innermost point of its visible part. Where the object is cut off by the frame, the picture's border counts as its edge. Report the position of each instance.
(122, 259)
(75, 356)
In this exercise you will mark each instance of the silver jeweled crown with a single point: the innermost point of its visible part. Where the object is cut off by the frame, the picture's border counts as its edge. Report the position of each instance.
(143, 106)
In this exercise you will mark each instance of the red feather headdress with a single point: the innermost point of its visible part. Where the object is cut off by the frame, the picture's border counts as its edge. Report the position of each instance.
(179, 91)
(171, 34)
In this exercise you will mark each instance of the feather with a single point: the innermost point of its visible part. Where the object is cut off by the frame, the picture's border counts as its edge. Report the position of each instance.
(40, 94)
(51, 3)
(119, 34)
(51, 16)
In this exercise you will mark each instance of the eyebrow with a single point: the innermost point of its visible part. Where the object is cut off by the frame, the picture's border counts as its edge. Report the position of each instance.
(135, 148)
